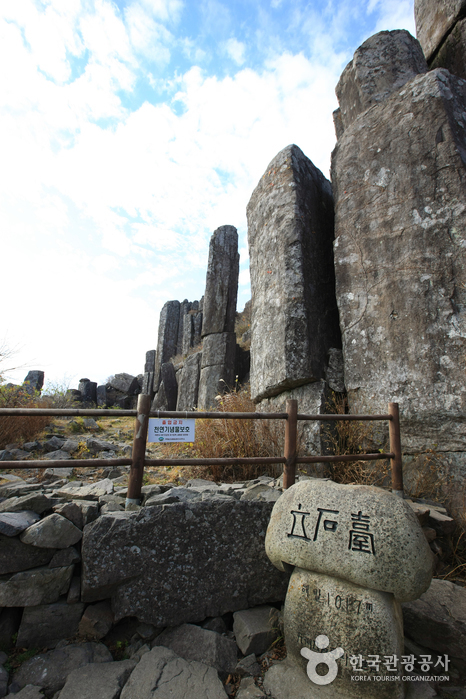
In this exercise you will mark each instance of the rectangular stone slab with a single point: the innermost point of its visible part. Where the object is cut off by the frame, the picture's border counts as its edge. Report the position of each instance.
(181, 562)
(362, 534)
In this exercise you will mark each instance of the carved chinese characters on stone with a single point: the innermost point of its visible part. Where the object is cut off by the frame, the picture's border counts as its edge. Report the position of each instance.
(356, 533)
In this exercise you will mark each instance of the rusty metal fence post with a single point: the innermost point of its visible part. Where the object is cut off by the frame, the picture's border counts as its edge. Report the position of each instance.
(291, 431)
(136, 473)
(395, 448)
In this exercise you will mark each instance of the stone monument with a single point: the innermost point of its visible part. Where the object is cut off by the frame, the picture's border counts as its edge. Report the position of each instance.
(357, 552)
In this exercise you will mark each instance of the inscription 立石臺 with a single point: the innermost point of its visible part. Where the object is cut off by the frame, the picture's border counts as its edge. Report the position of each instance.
(361, 539)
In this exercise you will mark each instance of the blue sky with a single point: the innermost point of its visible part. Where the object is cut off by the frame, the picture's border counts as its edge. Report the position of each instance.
(129, 132)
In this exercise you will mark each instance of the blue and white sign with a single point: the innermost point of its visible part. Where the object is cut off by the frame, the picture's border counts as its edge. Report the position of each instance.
(171, 430)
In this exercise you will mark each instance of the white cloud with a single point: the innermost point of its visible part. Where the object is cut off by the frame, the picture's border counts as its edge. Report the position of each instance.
(235, 49)
(394, 14)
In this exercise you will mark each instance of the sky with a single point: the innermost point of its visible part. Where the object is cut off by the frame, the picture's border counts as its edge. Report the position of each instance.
(129, 131)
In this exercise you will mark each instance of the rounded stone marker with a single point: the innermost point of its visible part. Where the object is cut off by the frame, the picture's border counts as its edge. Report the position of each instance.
(361, 534)
(331, 624)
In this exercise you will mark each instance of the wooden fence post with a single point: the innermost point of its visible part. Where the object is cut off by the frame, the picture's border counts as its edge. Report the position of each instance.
(136, 473)
(395, 448)
(291, 431)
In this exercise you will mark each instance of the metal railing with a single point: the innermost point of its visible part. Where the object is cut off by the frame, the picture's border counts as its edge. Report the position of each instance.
(289, 459)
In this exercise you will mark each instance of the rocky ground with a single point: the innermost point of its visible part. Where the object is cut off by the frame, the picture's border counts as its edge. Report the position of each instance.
(89, 655)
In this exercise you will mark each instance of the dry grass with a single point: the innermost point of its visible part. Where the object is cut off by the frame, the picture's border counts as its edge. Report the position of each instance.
(20, 429)
(223, 438)
(352, 437)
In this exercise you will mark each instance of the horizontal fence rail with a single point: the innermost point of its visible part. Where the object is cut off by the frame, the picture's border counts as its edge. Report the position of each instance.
(139, 460)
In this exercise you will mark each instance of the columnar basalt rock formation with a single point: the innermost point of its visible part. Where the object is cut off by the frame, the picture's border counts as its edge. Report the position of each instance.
(441, 30)
(210, 321)
(294, 313)
(218, 329)
(399, 246)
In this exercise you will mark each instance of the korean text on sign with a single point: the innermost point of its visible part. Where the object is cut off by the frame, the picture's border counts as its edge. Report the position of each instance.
(171, 430)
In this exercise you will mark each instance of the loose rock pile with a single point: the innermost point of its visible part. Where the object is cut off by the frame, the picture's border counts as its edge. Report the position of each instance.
(190, 560)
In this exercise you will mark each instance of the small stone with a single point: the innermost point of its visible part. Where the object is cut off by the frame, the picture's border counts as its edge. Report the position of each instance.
(437, 619)
(36, 502)
(65, 557)
(193, 643)
(101, 680)
(248, 667)
(97, 620)
(182, 678)
(16, 556)
(50, 670)
(43, 626)
(13, 523)
(54, 444)
(249, 690)
(74, 593)
(53, 531)
(253, 629)
(30, 692)
(37, 586)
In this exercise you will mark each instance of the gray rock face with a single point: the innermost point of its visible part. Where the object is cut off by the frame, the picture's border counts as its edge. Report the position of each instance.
(53, 531)
(139, 561)
(193, 643)
(45, 625)
(125, 383)
(102, 680)
(50, 670)
(312, 400)
(221, 282)
(167, 337)
(217, 367)
(356, 533)
(169, 385)
(188, 387)
(79, 512)
(161, 674)
(452, 53)
(35, 502)
(253, 629)
(149, 369)
(438, 618)
(16, 556)
(37, 586)
(97, 620)
(399, 259)
(13, 523)
(381, 66)
(34, 380)
(294, 313)
(434, 20)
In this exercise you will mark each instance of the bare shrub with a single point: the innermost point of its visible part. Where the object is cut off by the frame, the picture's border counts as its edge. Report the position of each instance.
(223, 438)
(25, 428)
(352, 437)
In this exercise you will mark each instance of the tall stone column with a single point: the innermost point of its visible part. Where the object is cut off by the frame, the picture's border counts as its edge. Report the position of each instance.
(167, 338)
(398, 173)
(294, 311)
(218, 320)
